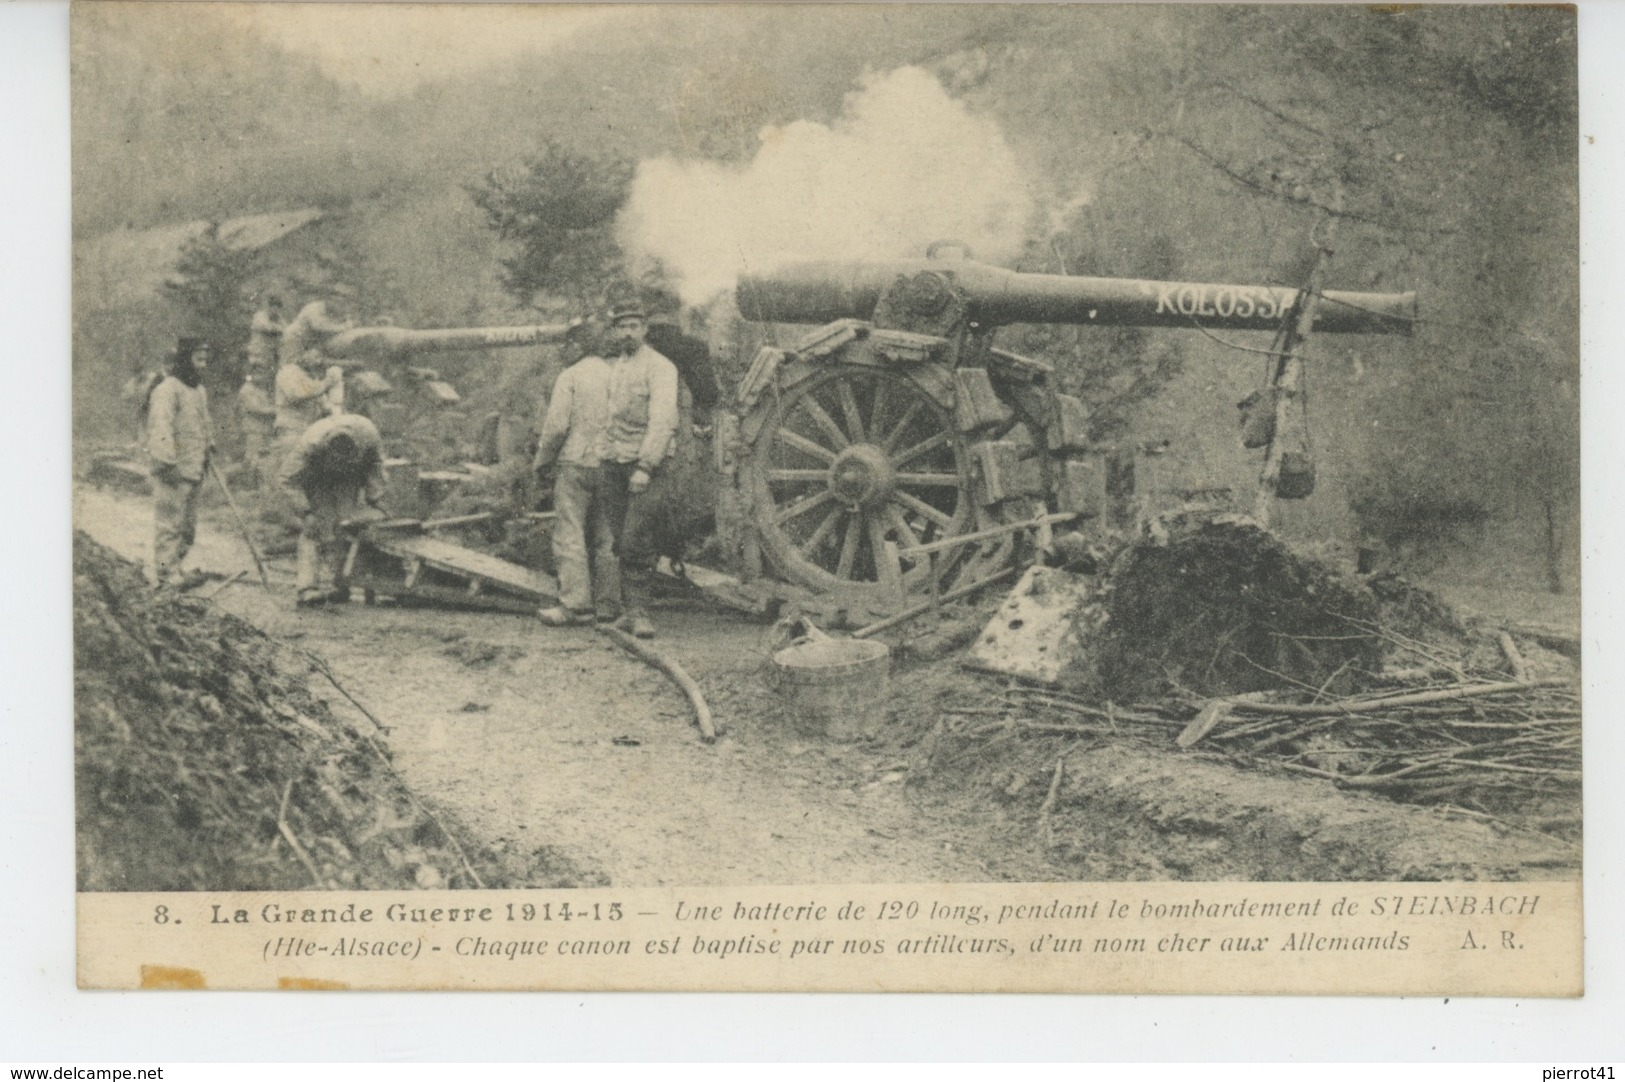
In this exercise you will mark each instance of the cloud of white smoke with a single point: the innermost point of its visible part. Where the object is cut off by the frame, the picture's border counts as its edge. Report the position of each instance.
(903, 166)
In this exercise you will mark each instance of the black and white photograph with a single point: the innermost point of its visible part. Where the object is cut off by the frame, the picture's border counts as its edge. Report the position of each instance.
(740, 469)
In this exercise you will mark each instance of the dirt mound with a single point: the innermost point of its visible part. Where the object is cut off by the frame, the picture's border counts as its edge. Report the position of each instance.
(205, 762)
(1219, 606)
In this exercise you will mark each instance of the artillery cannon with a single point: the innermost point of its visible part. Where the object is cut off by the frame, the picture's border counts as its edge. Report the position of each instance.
(897, 425)
(425, 418)
(377, 344)
(992, 296)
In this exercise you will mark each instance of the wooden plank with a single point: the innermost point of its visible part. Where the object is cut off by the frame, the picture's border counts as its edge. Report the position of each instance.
(447, 595)
(460, 561)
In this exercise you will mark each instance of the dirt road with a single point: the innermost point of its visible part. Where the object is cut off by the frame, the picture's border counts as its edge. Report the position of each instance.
(538, 736)
(546, 741)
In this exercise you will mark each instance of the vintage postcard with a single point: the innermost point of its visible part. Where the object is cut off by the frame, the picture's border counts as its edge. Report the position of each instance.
(901, 498)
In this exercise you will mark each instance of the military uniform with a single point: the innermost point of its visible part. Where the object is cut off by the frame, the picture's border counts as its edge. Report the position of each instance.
(256, 415)
(608, 419)
(178, 443)
(327, 488)
(264, 339)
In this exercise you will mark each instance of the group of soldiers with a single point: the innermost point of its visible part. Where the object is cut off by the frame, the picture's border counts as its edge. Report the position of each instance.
(315, 464)
(610, 427)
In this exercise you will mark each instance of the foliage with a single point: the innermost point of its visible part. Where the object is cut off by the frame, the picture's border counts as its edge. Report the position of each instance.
(210, 290)
(1113, 370)
(558, 207)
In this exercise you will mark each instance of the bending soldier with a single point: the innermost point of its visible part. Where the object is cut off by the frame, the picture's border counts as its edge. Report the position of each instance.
(314, 325)
(179, 440)
(334, 469)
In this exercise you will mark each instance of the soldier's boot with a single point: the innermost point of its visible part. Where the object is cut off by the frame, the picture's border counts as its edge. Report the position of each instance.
(559, 616)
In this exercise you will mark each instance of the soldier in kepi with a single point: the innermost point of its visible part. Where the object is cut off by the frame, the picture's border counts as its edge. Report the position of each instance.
(179, 441)
(301, 395)
(334, 474)
(609, 428)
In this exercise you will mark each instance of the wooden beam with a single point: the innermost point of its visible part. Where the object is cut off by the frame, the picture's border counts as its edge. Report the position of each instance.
(925, 606)
(987, 534)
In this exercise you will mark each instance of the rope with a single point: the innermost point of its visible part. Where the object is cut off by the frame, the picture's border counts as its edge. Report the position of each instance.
(1232, 345)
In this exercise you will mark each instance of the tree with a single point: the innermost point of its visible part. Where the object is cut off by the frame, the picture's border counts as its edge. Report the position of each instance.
(558, 207)
(211, 291)
(1447, 137)
(1112, 370)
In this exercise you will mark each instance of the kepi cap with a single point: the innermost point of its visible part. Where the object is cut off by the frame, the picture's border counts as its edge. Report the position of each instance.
(623, 302)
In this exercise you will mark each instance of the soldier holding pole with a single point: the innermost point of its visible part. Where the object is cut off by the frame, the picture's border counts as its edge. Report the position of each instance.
(179, 441)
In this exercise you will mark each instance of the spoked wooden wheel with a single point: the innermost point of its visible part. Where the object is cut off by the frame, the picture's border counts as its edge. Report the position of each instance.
(847, 460)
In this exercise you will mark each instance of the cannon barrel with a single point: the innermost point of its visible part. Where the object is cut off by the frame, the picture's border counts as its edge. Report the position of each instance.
(387, 343)
(826, 291)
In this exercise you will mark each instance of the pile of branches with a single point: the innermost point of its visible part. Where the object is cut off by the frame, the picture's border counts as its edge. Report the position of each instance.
(205, 762)
(1497, 748)
(1507, 749)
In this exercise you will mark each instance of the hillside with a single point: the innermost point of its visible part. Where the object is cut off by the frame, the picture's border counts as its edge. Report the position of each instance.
(1180, 143)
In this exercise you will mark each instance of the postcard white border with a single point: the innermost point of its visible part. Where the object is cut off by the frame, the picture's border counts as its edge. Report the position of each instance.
(51, 1020)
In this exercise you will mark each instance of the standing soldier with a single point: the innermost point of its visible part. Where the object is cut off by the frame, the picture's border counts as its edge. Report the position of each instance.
(671, 511)
(265, 334)
(570, 448)
(179, 441)
(634, 390)
(255, 412)
(301, 398)
(256, 416)
(691, 355)
(335, 468)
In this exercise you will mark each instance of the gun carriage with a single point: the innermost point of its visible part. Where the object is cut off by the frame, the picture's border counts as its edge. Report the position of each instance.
(897, 425)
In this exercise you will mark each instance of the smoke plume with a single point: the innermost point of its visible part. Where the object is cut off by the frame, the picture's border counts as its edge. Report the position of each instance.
(904, 165)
